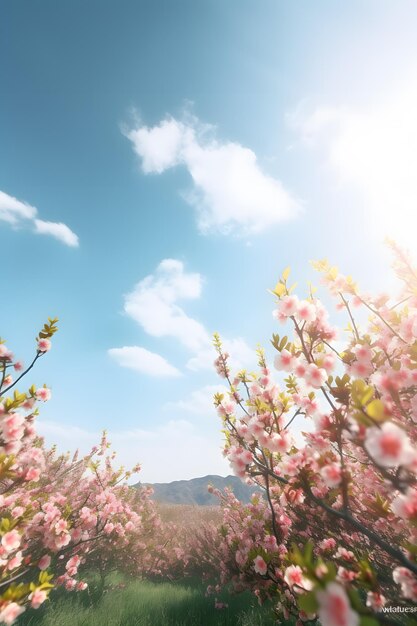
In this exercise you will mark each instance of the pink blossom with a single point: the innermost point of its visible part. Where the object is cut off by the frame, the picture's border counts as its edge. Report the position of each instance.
(61, 527)
(33, 474)
(375, 600)
(361, 369)
(11, 540)
(284, 361)
(315, 376)
(328, 363)
(13, 427)
(37, 598)
(10, 613)
(328, 544)
(260, 566)
(288, 305)
(280, 442)
(388, 445)
(44, 562)
(5, 353)
(43, 393)
(81, 586)
(295, 578)
(15, 561)
(306, 311)
(334, 607)
(44, 345)
(405, 505)
(408, 582)
(331, 474)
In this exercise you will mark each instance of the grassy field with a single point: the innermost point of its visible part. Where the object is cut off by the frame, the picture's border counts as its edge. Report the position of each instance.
(143, 603)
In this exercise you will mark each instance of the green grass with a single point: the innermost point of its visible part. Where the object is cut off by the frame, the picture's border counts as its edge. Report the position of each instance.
(143, 603)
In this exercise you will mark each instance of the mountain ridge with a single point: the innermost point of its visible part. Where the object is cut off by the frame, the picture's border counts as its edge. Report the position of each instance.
(194, 491)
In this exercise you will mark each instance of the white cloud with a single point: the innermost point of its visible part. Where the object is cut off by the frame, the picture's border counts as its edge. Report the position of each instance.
(18, 213)
(171, 451)
(143, 361)
(13, 210)
(374, 151)
(158, 147)
(58, 230)
(153, 304)
(199, 401)
(230, 191)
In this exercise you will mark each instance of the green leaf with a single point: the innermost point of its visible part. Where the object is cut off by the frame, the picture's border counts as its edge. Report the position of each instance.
(376, 410)
(307, 602)
(279, 290)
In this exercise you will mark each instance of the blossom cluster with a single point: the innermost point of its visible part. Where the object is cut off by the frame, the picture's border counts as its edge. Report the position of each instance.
(330, 438)
(60, 515)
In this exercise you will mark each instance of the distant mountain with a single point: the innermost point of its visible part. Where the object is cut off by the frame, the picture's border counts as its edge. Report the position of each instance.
(194, 491)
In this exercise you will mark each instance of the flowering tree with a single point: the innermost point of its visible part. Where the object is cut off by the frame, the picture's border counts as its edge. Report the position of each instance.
(333, 447)
(56, 511)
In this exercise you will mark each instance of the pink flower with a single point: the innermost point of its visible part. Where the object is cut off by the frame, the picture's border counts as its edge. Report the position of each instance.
(334, 607)
(10, 613)
(108, 529)
(13, 427)
(328, 544)
(260, 566)
(5, 352)
(306, 311)
(375, 600)
(44, 345)
(43, 394)
(44, 562)
(280, 443)
(81, 586)
(73, 564)
(315, 376)
(402, 576)
(11, 541)
(33, 474)
(294, 577)
(288, 305)
(331, 474)
(284, 361)
(61, 527)
(328, 363)
(405, 505)
(389, 445)
(37, 598)
(15, 561)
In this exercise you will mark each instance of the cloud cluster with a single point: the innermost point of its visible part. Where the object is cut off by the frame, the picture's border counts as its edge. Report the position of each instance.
(153, 304)
(230, 192)
(18, 213)
(156, 304)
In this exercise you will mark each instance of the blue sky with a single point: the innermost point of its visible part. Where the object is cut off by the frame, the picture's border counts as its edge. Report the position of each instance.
(160, 163)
